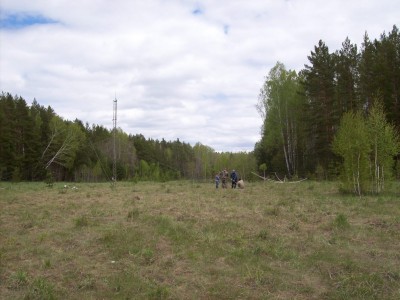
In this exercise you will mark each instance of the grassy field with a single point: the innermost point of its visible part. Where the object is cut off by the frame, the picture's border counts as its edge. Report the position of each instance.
(185, 240)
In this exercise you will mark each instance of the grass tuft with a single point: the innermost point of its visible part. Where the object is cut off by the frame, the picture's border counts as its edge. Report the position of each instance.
(47, 263)
(19, 280)
(41, 289)
(81, 221)
(263, 234)
(133, 214)
(341, 222)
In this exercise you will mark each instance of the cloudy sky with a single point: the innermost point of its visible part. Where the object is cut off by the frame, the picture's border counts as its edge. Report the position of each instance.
(179, 68)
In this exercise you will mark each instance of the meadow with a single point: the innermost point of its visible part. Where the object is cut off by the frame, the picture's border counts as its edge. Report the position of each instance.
(187, 240)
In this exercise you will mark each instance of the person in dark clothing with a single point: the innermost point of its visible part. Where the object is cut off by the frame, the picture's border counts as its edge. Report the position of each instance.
(216, 181)
(224, 177)
(234, 179)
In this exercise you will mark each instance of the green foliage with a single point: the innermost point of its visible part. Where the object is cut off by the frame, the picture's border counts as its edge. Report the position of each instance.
(332, 84)
(353, 145)
(203, 161)
(263, 167)
(16, 175)
(279, 103)
(385, 144)
(322, 109)
(347, 61)
(49, 179)
(367, 146)
(35, 141)
(65, 140)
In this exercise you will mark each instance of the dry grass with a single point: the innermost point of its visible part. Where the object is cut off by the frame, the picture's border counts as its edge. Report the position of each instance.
(184, 240)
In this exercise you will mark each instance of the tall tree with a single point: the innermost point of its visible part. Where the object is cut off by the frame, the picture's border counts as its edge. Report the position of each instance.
(388, 51)
(63, 144)
(204, 161)
(27, 140)
(7, 137)
(281, 104)
(347, 77)
(380, 73)
(323, 110)
(368, 72)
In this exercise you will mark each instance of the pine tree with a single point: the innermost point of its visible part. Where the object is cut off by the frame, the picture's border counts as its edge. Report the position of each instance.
(389, 60)
(323, 110)
(27, 152)
(8, 139)
(380, 73)
(347, 77)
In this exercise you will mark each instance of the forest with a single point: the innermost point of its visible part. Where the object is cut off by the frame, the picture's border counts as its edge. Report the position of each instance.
(302, 111)
(302, 114)
(37, 144)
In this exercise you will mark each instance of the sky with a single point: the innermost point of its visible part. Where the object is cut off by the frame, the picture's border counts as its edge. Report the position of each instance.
(179, 69)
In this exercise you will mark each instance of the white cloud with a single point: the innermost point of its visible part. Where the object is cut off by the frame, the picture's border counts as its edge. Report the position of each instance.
(180, 69)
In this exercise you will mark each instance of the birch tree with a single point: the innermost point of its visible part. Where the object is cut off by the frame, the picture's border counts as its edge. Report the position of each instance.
(63, 143)
(368, 147)
(353, 145)
(280, 105)
(384, 146)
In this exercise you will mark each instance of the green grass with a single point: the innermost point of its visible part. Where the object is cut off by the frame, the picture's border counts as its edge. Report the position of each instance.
(185, 240)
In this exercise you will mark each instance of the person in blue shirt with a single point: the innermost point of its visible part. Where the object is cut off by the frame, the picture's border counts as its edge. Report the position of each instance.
(216, 181)
(234, 179)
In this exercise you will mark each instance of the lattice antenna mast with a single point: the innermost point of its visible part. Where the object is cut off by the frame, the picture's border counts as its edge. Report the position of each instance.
(114, 141)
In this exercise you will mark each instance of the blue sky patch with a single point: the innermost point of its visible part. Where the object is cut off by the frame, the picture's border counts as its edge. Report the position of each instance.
(197, 11)
(21, 20)
(226, 29)
(217, 96)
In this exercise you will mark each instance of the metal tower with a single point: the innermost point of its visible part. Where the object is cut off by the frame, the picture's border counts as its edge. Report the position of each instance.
(114, 178)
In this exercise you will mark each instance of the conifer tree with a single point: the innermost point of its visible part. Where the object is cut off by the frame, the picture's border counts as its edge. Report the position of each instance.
(347, 77)
(323, 110)
(7, 137)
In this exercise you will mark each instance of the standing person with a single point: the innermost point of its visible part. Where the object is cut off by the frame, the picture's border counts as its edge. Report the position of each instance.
(216, 181)
(224, 175)
(234, 179)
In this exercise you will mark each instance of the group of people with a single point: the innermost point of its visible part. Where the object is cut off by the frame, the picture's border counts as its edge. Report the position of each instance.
(224, 176)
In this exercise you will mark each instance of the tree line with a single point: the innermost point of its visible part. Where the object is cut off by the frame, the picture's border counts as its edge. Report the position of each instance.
(302, 115)
(302, 111)
(37, 144)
